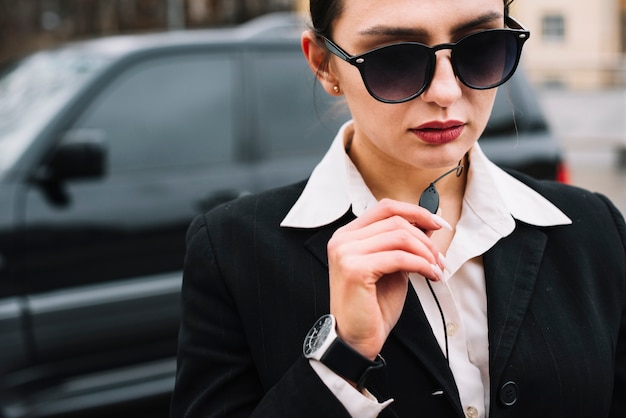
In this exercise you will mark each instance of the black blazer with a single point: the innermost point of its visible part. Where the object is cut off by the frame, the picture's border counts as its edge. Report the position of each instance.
(556, 313)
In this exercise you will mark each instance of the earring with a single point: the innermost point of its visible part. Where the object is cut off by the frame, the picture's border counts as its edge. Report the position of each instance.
(336, 89)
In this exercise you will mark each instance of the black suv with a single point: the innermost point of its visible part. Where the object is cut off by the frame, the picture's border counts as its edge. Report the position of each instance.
(108, 148)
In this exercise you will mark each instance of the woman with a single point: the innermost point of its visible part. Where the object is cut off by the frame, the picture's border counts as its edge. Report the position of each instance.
(522, 317)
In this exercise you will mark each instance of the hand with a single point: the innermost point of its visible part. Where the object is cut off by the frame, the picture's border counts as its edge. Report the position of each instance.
(369, 263)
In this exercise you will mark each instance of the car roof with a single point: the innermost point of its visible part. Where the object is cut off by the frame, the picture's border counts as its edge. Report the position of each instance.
(274, 27)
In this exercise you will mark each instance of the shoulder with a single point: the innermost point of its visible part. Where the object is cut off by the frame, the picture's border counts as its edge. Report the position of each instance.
(270, 206)
(592, 214)
(265, 208)
(572, 200)
(551, 189)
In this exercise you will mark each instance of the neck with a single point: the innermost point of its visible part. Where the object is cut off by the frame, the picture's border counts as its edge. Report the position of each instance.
(396, 180)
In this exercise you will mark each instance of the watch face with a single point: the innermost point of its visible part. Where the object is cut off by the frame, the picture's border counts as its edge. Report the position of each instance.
(317, 335)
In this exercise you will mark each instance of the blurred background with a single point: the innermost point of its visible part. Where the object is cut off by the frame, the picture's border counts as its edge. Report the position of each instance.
(28, 25)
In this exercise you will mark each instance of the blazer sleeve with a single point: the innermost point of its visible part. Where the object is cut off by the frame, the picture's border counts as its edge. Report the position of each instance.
(216, 372)
(618, 405)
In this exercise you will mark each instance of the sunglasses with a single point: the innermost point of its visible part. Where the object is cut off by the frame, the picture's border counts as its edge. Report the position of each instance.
(400, 72)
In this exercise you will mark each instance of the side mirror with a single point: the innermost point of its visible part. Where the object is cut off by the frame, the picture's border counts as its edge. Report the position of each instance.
(81, 155)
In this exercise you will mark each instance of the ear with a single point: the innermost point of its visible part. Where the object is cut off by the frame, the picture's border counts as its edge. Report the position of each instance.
(315, 55)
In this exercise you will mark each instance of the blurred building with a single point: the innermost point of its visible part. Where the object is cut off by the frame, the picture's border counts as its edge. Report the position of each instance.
(576, 44)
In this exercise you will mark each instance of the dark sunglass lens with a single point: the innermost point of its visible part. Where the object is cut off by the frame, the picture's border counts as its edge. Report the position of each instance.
(396, 72)
(486, 59)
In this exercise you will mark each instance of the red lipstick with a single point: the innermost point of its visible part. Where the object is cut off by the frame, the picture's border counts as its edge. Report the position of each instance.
(438, 133)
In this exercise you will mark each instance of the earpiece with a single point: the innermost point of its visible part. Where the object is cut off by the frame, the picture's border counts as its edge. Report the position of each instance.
(429, 199)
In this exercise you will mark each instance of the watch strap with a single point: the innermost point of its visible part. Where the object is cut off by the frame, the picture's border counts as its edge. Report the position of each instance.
(349, 363)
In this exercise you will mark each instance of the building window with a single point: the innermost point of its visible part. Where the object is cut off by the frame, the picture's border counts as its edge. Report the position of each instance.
(553, 27)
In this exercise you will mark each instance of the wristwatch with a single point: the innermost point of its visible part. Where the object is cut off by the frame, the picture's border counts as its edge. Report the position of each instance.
(323, 344)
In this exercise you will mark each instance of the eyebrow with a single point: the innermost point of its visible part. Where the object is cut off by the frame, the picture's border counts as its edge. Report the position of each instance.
(479, 21)
(382, 30)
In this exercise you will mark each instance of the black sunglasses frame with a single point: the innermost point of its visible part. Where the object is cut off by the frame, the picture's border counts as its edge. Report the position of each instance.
(513, 26)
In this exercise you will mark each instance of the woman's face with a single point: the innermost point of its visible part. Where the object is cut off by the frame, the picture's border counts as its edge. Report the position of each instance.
(436, 129)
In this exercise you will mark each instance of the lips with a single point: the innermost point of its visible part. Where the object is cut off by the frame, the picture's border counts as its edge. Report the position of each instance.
(438, 132)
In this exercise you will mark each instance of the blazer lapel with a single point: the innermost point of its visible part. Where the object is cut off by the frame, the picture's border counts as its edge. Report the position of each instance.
(414, 332)
(511, 269)
(318, 242)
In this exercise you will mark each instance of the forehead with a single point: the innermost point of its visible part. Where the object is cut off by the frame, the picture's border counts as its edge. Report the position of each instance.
(433, 17)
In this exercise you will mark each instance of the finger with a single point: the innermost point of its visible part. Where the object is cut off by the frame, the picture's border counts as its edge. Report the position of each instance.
(394, 223)
(365, 261)
(410, 240)
(384, 235)
(384, 263)
(387, 208)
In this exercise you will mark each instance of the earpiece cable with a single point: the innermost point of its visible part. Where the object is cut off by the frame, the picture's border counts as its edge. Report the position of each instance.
(443, 320)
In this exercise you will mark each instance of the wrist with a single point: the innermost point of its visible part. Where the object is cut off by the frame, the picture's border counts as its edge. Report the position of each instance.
(322, 343)
(366, 350)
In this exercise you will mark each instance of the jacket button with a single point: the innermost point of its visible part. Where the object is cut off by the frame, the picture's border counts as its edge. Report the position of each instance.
(508, 393)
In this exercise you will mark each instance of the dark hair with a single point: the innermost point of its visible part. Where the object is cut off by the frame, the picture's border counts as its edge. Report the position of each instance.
(325, 12)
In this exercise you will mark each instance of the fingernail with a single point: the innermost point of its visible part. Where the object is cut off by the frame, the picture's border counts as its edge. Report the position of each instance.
(437, 272)
(441, 222)
(443, 262)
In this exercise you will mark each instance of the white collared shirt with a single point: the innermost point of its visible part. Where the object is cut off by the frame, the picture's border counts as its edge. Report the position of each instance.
(493, 200)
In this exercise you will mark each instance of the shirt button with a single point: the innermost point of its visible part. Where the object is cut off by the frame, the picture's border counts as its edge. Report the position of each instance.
(451, 329)
(471, 412)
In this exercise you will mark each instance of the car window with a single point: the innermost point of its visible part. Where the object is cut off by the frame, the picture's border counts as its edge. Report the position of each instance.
(168, 111)
(296, 116)
(33, 91)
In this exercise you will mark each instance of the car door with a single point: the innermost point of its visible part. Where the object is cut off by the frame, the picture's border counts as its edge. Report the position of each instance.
(102, 269)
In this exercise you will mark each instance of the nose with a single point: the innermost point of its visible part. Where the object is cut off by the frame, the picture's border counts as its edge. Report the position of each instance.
(444, 88)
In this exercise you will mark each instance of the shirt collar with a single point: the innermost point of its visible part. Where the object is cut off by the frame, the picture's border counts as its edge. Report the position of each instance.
(327, 195)
(335, 186)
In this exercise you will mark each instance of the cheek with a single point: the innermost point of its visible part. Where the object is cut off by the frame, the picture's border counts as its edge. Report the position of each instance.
(355, 92)
(373, 116)
(363, 107)
(346, 75)
(481, 105)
